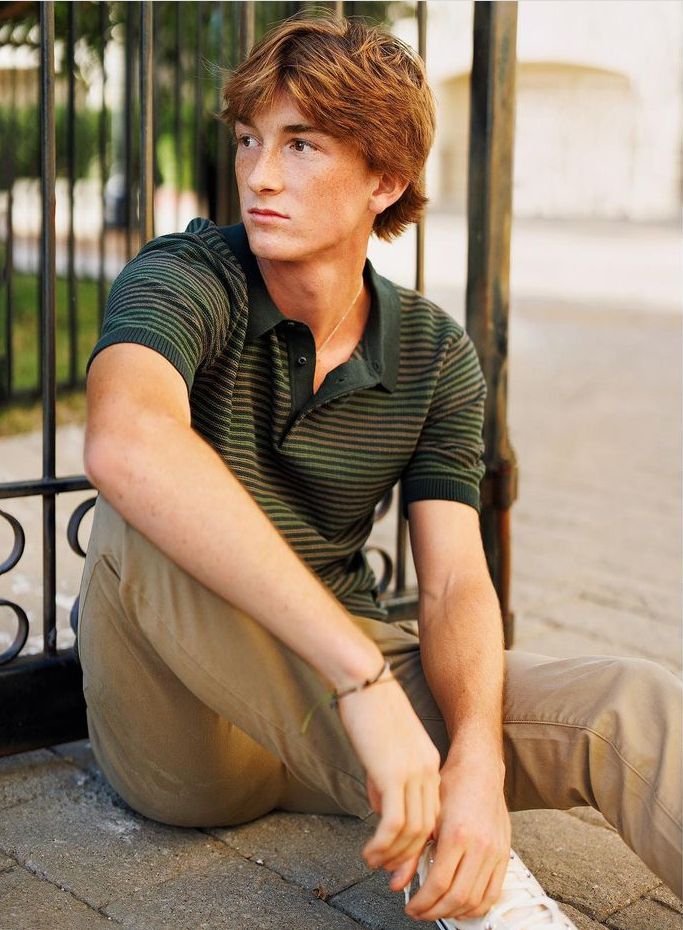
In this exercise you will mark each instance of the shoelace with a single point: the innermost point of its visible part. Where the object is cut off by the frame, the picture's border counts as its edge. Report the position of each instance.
(549, 918)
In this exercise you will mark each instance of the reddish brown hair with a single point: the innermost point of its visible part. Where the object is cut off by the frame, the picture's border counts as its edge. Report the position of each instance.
(355, 82)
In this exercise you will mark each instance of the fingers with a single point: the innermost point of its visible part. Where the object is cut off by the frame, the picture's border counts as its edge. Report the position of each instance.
(494, 889)
(407, 820)
(389, 828)
(438, 884)
(462, 883)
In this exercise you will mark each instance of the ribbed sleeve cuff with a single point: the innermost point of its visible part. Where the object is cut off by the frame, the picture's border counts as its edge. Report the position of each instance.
(442, 489)
(144, 337)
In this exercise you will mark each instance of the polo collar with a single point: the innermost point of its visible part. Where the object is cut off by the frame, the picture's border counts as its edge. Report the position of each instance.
(382, 331)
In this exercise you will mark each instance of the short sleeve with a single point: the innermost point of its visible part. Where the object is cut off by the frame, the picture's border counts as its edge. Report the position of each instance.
(447, 463)
(172, 302)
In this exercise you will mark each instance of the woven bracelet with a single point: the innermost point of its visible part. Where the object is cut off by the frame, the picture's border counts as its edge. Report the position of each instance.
(333, 697)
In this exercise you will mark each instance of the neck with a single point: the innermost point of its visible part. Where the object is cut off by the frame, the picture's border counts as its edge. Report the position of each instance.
(318, 295)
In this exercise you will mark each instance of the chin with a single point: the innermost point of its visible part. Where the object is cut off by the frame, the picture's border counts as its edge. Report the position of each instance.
(273, 245)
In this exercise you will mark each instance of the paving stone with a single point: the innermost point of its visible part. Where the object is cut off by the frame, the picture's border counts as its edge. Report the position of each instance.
(28, 903)
(315, 851)
(646, 914)
(87, 839)
(582, 921)
(231, 895)
(662, 894)
(378, 908)
(373, 904)
(28, 775)
(583, 865)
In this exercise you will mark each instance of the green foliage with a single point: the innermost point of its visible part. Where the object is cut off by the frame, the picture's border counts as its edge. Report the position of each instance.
(20, 143)
(26, 325)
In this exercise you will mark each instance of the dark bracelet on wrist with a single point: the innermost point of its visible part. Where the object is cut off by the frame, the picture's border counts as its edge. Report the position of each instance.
(333, 697)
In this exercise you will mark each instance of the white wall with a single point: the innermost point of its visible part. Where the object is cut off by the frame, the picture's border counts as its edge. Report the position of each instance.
(599, 106)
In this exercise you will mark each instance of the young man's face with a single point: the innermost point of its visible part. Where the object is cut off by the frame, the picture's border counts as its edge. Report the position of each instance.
(317, 191)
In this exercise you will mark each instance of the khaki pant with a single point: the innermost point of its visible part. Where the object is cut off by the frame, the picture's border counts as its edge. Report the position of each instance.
(194, 712)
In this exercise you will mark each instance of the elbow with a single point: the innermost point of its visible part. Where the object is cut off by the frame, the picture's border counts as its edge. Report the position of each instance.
(97, 462)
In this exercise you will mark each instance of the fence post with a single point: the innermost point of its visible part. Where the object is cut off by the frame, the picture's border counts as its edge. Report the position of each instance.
(489, 214)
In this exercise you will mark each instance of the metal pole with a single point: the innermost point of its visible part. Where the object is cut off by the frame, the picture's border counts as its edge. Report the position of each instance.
(102, 154)
(146, 125)
(247, 27)
(6, 387)
(71, 167)
(178, 111)
(47, 312)
(222, 139)
(401, 522)
(129, 190)
(489, 210)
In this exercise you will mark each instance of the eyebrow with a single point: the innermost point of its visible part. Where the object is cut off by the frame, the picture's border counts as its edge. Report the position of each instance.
(298, 128)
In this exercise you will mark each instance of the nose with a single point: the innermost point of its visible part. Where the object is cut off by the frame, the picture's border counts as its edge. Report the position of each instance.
(265, 171)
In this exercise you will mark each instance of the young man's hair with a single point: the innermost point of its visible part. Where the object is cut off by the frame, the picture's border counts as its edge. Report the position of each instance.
(354, 82)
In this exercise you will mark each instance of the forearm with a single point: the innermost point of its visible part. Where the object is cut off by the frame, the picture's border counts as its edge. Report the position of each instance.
(461, 645)
(172, 486)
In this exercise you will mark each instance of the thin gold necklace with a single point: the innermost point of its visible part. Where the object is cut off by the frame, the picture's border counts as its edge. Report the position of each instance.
(340, 321)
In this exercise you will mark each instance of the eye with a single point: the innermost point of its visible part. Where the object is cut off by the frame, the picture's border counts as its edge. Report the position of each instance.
(246, 141)
(300, 145)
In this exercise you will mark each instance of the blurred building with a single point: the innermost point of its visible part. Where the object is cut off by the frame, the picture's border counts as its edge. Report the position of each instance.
(599, 106)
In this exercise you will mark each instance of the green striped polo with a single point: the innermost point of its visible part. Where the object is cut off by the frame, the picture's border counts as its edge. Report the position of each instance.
(407, 405)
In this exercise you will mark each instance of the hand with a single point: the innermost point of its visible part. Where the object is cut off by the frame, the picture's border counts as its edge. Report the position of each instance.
(402, 766)
(473, 843)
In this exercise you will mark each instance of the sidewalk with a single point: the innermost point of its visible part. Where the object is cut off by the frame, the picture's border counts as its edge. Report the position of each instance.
(595, 388)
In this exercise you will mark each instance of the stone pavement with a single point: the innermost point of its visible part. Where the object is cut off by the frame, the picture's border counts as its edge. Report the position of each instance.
(595, 388)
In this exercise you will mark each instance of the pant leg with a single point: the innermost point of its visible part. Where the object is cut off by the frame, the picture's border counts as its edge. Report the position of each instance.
(192, 694)
(194, 709)
(601, 731)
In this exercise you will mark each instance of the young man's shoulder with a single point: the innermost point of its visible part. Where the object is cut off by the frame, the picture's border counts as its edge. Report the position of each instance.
(422, 316)
(200, 243)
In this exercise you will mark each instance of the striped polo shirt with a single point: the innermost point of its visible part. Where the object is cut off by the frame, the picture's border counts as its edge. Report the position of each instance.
(407, 405)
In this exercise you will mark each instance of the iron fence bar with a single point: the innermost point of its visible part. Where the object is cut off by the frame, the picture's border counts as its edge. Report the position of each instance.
(71, 168)
(401, 522)
(247, 27)
(129, 186)
(198, 104)
(223, 205)
(178, 110)
(34, 486)
(8, 271)
(103, 15)
(146, 125)
(47, 313)
(489, 211)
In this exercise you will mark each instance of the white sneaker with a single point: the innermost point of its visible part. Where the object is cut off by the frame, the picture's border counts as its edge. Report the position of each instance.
(523, 905)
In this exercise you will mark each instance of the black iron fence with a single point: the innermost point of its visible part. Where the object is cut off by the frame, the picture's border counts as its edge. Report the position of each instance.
(164, 129)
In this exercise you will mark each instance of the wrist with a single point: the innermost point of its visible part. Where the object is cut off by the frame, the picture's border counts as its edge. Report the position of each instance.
(477, 752)
(359, 661)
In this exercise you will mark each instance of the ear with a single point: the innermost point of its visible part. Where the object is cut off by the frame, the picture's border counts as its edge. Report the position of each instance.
(387, 190)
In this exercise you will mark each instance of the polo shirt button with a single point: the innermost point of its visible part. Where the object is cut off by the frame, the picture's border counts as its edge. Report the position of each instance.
(301, 360)
(376, 366)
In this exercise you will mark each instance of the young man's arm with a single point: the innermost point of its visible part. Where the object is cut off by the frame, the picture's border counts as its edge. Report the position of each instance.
(462, 651)
(170, 484)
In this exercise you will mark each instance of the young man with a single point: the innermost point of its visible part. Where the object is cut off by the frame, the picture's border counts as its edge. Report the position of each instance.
(255, 392)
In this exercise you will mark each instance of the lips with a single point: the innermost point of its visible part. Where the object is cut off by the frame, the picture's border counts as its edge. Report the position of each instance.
(256, 212)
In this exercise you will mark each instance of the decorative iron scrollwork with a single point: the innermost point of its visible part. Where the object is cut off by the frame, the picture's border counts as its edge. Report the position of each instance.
(382, 509)
(72, 531)
(19, 543)
(22, 632)
(75, 525)
(387, 566)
